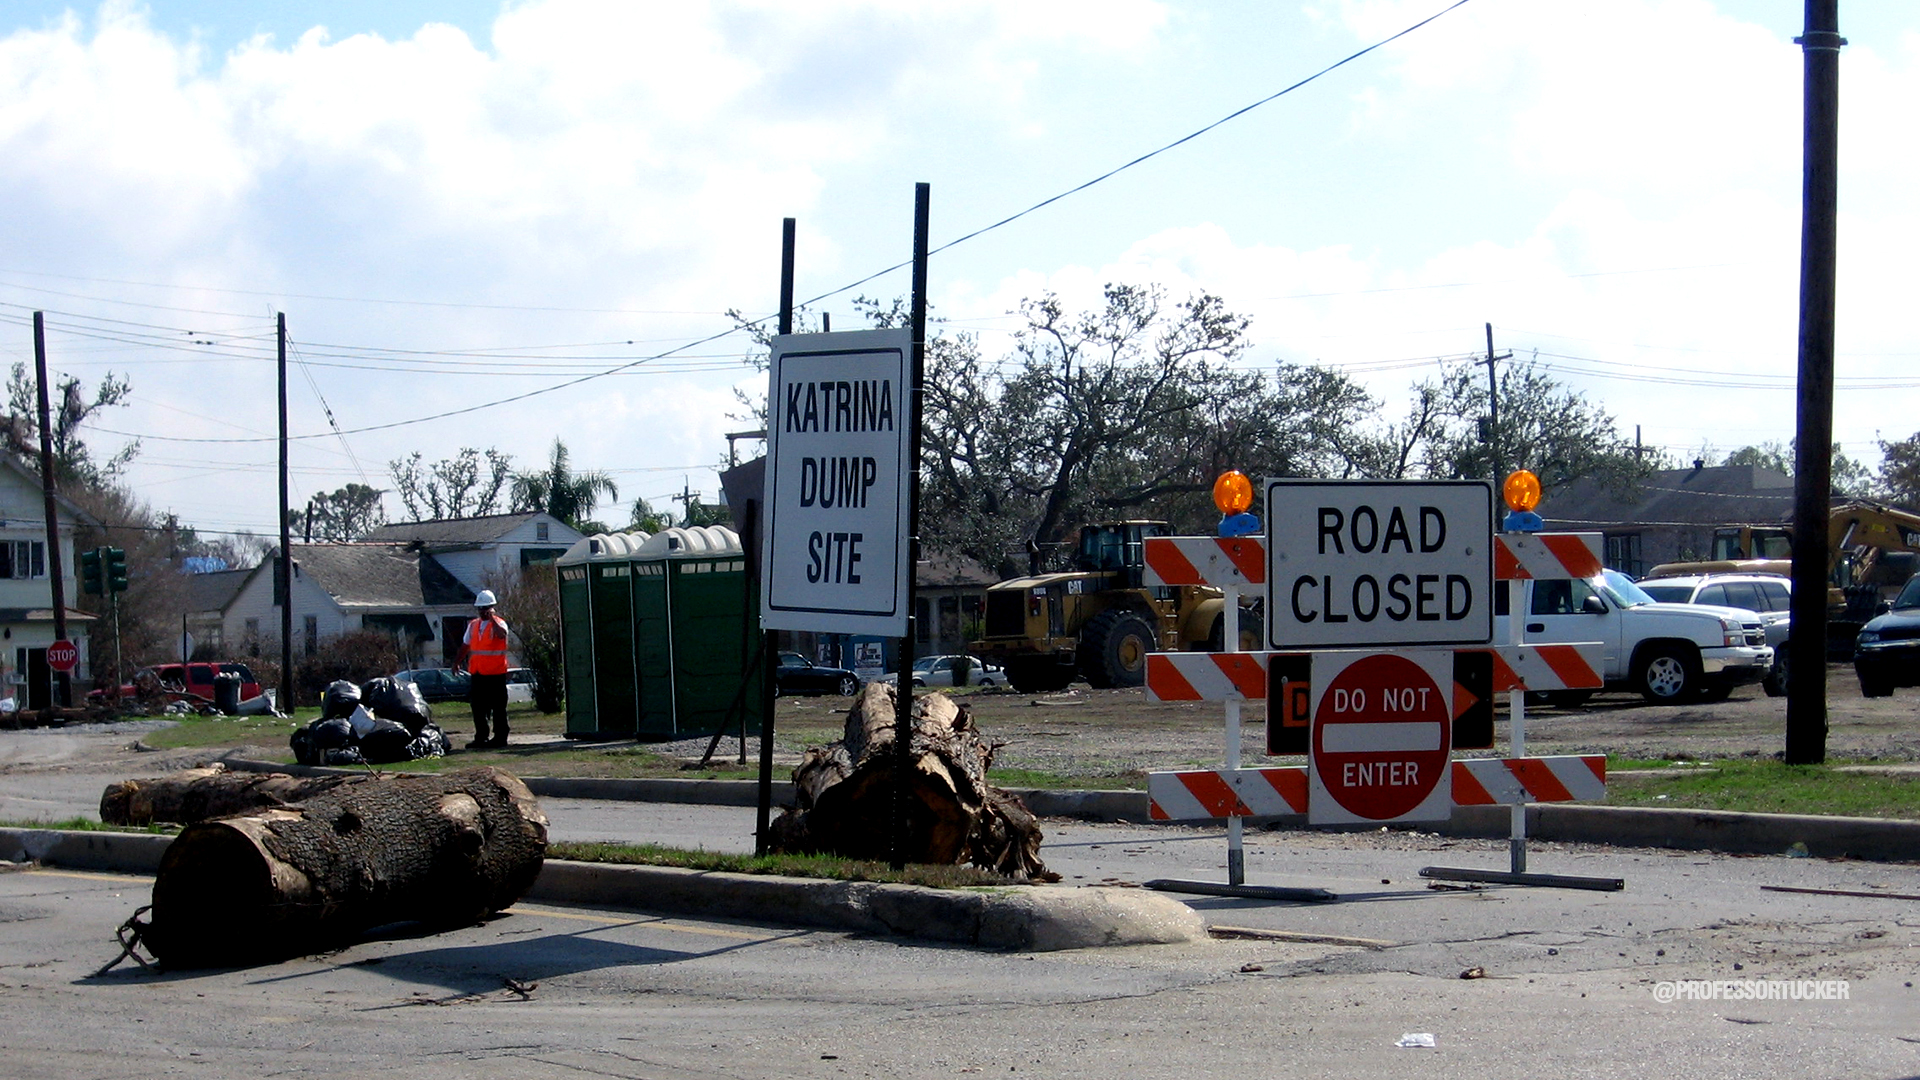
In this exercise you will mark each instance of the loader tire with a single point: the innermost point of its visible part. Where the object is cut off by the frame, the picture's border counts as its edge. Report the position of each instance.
(1114, 647)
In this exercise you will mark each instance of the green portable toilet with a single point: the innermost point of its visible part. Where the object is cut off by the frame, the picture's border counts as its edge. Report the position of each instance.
(576, 638)
(602, 672)
(711, 629)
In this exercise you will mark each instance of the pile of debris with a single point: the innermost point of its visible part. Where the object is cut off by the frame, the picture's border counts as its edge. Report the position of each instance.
(380, 722)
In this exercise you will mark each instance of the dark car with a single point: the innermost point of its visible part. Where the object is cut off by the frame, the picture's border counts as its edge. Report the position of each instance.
(1887, 652)
(437, 684)
(799, 675)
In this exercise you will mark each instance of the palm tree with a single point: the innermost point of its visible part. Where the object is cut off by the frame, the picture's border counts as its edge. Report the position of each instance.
(558, 490)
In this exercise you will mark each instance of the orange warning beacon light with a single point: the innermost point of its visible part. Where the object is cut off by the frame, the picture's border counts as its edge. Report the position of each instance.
(1233, 494)
(1522, 494)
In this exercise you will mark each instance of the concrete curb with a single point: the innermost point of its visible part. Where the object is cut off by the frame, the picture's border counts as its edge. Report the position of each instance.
(1032, 918)
(1036, 918)
(1876, 839)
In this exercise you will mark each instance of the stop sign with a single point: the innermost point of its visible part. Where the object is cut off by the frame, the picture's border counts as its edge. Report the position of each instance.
(62, 656)
(1382, 730)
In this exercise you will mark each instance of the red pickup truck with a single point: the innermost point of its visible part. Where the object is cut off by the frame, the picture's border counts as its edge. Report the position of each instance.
(194, 679)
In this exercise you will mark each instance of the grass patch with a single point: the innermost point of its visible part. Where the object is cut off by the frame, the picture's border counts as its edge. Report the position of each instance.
(1025, 779)
(80, 824)
(1770, 787)
(830, 867)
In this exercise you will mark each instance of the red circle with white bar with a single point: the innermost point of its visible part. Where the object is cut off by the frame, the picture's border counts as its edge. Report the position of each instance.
(1381, 736)
(62, 655)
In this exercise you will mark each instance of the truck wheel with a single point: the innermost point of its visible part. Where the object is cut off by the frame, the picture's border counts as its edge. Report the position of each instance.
(1875, 688)
(1775, 684)
(1038, 676)
(1667, 674)
(1114, 648)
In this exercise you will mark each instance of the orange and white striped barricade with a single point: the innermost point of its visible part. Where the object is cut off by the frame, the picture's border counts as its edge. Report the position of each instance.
(1545, 556)
(1279, 790)
(1221, 561)
(1508, 781)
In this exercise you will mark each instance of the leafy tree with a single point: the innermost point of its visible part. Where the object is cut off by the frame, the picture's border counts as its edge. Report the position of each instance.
(69, 406)
(347, 514)
(1847, 477)
(1545, 427)
(530, 603)
(646, 519)
(455, 487)
(562, 492)
(1899, 480)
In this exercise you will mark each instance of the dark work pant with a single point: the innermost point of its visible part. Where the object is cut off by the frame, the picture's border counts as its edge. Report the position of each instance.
(488, 695)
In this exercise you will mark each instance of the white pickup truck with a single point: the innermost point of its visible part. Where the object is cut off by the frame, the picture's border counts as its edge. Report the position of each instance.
(1667, 652)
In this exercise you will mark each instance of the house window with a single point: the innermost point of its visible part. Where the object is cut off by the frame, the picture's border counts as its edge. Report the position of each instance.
(311, 629)
(532, 556)
(1623, 554)
(540, 531)
(23, 558)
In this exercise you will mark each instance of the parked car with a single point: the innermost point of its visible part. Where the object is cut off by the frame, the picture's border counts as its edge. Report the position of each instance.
(938, 671)
(1668, 652)
(194, 679)
(1887, 652)
(437, 684)
(520, 685)
(798, 675)
(1768, 595)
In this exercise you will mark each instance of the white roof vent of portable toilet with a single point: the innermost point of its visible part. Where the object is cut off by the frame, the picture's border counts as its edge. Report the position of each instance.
(602, 546)
(679, 543)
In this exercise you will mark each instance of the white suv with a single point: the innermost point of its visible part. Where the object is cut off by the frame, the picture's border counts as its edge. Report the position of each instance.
(1768, 595)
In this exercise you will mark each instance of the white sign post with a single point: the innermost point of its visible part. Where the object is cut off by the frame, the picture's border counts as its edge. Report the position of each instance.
(1362, 563)
(835, 540)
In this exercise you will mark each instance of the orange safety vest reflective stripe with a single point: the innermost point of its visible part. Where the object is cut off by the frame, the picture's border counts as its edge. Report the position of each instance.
(488, 654)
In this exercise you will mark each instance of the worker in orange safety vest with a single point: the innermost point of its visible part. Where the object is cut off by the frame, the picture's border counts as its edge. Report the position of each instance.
(484, 653)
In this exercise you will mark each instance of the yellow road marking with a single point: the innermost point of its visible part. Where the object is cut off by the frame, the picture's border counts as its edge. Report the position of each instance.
(606, 920)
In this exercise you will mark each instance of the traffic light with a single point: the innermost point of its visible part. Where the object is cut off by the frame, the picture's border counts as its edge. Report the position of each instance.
(116, 569)
(91, 578)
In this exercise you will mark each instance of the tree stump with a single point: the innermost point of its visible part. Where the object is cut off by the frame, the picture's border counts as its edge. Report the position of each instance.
(204, 794)
(845, 793)
(445, 850)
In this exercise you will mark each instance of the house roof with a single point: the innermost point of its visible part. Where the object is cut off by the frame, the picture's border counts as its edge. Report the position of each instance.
(31, 474)
(363, 575)
(1720, 495)
(214, 591)
(472, 530)
(941, 569)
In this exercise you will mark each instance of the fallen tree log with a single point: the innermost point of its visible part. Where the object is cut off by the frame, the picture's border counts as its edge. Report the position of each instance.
(204, 794)
(844, 793)
(445, 850)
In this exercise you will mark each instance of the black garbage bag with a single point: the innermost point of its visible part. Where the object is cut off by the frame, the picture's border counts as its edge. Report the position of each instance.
(399, 702)
(331, 734)
(430, 742)
(386, 744)
(345, 755)
(304, 751)
(339, 700)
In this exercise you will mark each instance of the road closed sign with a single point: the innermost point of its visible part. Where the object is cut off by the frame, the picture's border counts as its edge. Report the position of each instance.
(1358, 563)
(834, 542)
(1382, 729)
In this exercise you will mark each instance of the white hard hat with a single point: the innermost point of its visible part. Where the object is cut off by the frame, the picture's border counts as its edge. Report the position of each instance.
(485, 599)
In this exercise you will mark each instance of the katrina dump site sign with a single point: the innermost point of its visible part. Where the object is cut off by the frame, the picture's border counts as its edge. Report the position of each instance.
(834, 542)
(1374, 563)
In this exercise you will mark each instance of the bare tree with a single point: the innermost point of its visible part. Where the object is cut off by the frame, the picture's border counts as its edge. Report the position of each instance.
(465, 485)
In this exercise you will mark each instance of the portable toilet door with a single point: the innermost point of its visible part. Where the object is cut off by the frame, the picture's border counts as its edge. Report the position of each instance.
(715, 630)
(576, 639)
(615, 673)
(653, 645)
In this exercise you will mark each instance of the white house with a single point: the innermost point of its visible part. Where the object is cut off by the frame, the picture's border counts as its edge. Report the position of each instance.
(26, 587)
(481, 551)
(342, 588)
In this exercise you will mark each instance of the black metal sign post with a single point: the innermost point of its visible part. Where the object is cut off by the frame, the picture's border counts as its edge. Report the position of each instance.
(903, 712)
(755, 521)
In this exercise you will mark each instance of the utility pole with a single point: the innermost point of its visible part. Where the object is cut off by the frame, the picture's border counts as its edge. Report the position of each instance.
(687, 499)
(283, 573)
(62, 685)
(1493, 413)
(1813, 442)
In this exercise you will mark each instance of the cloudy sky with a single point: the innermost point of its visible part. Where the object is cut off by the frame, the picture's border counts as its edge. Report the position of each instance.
(461, 204)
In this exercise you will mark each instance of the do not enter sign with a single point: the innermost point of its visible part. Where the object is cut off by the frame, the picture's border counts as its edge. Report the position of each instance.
(62, 656)
(1382, 730)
